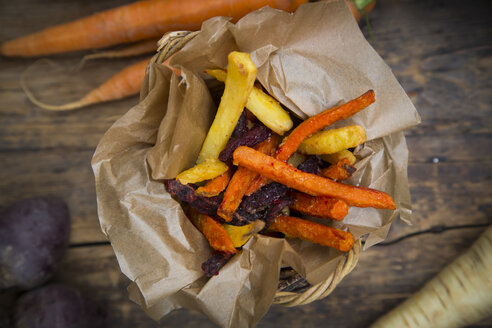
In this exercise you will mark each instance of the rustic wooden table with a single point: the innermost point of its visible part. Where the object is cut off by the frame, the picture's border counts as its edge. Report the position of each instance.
(441, 52)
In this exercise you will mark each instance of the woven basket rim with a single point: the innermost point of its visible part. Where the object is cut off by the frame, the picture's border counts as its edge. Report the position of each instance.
(170, 44)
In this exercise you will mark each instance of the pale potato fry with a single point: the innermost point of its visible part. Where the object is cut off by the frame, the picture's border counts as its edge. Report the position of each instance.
(335, 157)
(332, 141)
(241, 234)
(263, 106)
(296, 159)
(206, 170)
(241, 75)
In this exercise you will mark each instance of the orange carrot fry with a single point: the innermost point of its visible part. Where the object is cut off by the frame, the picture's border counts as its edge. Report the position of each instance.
(314, 232)
(311, 184)
(257, 183)
(312, 125)
(341, 170)
(135, 21)
(240, 181)
(321, 206)
(215, 186)
(318, 122)
(215, 233)
(235, 192)
(124, 84)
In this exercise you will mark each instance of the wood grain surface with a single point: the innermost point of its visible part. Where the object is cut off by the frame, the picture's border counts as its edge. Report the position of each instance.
(440, 51)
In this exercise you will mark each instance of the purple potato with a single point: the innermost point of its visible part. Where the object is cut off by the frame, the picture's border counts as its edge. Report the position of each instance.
(34, 235)
(57, 306)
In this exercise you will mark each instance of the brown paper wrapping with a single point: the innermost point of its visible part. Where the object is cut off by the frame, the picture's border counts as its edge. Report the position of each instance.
(310, 60)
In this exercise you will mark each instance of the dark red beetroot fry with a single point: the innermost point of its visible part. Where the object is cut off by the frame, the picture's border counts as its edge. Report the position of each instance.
(311, 165)
(241, 126)
(276, 209)
(241, 217)
(251, 138)
(215, 262)
(186, 193)
(264, 197)
(205, 205)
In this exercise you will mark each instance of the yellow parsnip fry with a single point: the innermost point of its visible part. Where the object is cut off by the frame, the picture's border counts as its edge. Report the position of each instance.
(263, 106)
(241, 234)
(332, 141)
(218, 73)
(335, 157)
(206, 170)
(241, 75)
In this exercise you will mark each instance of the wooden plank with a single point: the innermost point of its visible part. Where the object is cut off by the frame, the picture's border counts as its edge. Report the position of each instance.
(380, 281)
(63, 174)
(95, 271)
(436, 75)
(447, 194)
(24, 125)
(41, 131)
(383, 278)
(440, 52)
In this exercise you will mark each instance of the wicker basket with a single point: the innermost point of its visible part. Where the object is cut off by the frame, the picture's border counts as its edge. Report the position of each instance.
(293, 289)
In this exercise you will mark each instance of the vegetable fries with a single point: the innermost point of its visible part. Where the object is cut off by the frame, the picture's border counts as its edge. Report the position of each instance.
(315, 123)
(207, 170)
(215, 233)
(310, 231)
(226, 217)
(241, 75)
(323, 207)
(332, 141)
(341, 170)
(310, 184)
(263, 106)
(334, 158)
(241, 234)
(215, 186)
(240, 182)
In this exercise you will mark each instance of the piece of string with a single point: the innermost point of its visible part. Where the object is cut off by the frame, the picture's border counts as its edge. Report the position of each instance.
(34, 100)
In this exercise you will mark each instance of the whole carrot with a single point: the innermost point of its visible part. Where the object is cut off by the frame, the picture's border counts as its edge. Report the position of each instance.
(125, 83)
(133, 22)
